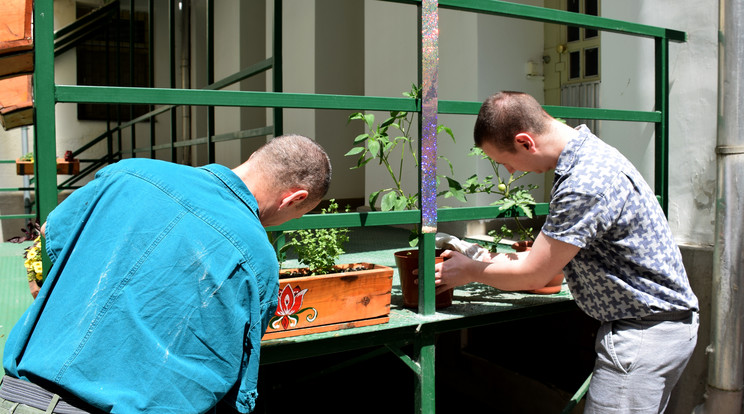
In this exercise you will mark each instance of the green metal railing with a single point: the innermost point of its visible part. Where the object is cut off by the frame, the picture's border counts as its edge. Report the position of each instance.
(48, 94)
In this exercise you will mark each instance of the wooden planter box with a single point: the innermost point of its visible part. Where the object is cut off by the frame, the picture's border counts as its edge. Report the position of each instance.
(311, 304)
(16, 37)
(63, 167)
(16, 101)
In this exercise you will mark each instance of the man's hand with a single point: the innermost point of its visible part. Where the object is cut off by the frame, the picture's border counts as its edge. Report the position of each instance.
(456, 270)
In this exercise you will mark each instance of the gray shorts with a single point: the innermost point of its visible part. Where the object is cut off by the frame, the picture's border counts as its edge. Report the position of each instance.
(638, 364)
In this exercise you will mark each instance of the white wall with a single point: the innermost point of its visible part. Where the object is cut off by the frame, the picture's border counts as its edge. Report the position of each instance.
(299, 61)
(693, 97)
(478, 55)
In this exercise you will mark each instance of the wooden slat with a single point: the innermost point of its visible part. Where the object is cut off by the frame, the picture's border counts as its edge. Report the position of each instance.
(15, 26)
(16, 102)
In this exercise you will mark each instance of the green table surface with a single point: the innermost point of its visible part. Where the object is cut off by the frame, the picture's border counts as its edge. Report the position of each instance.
(473, 305)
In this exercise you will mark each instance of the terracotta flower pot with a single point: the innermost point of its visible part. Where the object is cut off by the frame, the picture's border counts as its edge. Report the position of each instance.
(407, 262)
(554, 285)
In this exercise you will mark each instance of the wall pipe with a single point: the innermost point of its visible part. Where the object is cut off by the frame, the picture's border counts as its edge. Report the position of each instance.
(725, 360)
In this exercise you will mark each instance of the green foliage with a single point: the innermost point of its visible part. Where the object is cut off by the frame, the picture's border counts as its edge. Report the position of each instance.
(515, 198)
(318, 249)
(393, 136)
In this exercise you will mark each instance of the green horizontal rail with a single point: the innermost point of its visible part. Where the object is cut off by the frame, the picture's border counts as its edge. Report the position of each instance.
(386, 218)
(472, 108)
(9, 189)
(545, 15)
(18, 216)
(198, 97)
(249, 71)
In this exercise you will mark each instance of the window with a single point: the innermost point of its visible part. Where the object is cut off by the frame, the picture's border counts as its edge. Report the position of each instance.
(101, 62)
(582, 44)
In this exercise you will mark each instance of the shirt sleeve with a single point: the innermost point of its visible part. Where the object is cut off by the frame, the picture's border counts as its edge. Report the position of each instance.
(63, 221)
(580, 217)
(244, 394)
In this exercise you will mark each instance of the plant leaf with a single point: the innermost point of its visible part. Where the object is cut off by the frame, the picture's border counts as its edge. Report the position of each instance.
(374, 147)
(360, 138)
(389, 201)
(354, 151)
(373, 199)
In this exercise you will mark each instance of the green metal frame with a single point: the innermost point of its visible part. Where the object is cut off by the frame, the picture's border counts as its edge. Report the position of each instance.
(47, 94)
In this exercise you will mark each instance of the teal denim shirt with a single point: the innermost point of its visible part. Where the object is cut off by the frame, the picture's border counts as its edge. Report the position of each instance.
(162, 285)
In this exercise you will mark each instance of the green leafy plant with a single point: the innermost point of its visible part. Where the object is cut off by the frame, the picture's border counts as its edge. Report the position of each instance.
(516, 198)
(318, 249)
(390, 137)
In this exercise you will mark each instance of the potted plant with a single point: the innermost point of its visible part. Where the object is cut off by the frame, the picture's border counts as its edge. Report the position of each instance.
(324, 296)
(380, 143)
(519, 200)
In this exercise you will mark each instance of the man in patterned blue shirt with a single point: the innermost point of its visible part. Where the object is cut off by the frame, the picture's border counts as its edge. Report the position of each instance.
(608, 234)
(162, 285)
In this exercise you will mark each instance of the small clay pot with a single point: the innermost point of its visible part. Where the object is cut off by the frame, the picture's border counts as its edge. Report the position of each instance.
(554, 285)
(407, 262)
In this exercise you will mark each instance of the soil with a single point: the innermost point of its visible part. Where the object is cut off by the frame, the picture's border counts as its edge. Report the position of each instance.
(284, 274)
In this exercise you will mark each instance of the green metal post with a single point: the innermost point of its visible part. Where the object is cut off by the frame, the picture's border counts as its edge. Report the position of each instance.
(424, 393)
(278, 83)
(210, 80)
(45, 147)
(45, 144)
(133, 130)
(661, 164)
(151, 71)
(172, 54)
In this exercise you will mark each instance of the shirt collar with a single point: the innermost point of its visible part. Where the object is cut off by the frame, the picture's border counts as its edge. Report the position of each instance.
(235, 184)
(568, 156)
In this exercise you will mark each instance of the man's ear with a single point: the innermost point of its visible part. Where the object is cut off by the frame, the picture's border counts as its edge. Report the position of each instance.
(292, 197)
(525, 141)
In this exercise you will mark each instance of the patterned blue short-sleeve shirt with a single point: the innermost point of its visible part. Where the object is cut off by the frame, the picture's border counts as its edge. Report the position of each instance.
(629, 265)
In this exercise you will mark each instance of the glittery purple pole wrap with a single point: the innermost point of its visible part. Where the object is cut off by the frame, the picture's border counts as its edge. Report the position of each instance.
(429, 84)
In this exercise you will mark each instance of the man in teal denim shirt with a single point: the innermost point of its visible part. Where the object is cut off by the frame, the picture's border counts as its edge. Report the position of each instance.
(162, 284)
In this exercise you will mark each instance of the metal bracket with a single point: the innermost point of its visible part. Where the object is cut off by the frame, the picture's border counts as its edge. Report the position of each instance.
(730, 149)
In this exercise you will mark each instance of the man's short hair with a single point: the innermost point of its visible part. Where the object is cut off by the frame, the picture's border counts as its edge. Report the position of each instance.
(295, 162)
(506, 114)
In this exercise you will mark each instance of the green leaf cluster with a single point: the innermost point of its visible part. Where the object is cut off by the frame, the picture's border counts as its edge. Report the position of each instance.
(516, 199)
(393, 136)
(318, 249)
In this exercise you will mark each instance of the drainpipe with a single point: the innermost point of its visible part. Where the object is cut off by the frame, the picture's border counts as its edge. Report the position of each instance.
(725, 363)
(186, 74)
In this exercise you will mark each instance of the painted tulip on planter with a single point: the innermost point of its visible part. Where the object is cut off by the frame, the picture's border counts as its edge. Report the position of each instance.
(324, 296)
